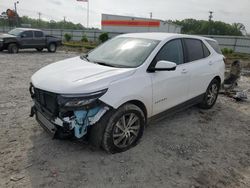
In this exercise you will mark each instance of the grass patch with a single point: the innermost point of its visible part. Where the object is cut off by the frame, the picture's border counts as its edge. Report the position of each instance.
(235, 55)
(79, 44)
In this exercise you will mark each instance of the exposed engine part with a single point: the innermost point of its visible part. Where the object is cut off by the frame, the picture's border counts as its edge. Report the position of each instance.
(81, 120)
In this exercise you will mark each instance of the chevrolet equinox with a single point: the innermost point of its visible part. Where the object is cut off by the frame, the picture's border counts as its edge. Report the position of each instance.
(108, 95)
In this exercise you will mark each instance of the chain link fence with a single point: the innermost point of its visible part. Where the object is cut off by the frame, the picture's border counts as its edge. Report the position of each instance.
(236, 43)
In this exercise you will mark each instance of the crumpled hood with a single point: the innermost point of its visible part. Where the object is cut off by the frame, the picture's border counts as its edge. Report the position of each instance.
(3, 35)
(75, 75)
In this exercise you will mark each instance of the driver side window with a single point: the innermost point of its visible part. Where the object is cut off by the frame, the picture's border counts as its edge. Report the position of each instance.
(171, 51)
(27, 34)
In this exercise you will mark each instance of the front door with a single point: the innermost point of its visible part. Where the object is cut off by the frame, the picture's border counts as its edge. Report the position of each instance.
(170, 88)
(27, 39)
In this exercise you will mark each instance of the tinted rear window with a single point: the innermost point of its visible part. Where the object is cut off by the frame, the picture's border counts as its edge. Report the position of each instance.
(194, 49)
(215, 46)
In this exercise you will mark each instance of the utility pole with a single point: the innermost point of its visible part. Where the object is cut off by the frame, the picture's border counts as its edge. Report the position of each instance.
(151, 15)
(39, 18)
(64, 21)
(210, 21)
(210, 15)
(16, 16)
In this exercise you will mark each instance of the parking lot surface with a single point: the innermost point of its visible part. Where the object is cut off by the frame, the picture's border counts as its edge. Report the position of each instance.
(194, 148)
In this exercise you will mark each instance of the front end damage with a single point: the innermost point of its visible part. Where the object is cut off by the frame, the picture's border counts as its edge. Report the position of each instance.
(67, 115)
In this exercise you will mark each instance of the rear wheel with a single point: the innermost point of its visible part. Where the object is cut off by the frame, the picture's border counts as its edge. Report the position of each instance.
(122, 129)
(52, 47)
(13, 49)
(211, 95)
(39, 49)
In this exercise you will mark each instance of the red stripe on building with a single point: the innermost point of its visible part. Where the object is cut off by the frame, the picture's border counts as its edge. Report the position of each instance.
(131, 23)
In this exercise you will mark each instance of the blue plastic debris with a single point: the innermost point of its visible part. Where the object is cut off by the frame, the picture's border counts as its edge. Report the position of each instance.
(82, 122)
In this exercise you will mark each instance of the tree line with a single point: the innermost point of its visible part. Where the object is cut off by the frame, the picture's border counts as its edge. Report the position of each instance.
(189, 26)
(203, 27)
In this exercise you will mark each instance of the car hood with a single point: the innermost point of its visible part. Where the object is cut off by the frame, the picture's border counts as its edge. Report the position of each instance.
(75, 76)
(3, 35)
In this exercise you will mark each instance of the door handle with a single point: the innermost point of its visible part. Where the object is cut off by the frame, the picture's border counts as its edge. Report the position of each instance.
(184, 71)
(210, 63)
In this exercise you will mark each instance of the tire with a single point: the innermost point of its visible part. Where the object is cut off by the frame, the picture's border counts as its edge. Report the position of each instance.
(110, 134)
(52, 47)
(39, 49)
(13, 49)
(211, 95)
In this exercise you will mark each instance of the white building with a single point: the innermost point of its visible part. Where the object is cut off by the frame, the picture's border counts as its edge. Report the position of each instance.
(126, 24)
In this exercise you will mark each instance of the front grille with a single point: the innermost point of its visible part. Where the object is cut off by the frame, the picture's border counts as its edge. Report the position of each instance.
(46, 100)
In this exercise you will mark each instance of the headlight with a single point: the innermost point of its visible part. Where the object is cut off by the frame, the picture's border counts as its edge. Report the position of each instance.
(1, 40)
(79, 100)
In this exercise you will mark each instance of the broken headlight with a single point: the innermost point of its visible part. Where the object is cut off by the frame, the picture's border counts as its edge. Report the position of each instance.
(79, 100)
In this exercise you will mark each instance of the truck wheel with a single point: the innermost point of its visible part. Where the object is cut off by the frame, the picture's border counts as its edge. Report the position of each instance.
(119, 130)
(39, 49)
(211, 95)
(52, 47)
(13, 49)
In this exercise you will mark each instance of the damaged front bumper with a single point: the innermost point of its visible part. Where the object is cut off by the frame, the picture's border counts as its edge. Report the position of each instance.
(67, 115)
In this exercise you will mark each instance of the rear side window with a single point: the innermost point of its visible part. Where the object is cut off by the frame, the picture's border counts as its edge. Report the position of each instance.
(172, 51)
(38, 34)
(205, 50)
(27, 34)
(215, 46)
(194, 48)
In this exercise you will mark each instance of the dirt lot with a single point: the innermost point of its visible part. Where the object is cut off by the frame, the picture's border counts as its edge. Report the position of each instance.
(195, 148)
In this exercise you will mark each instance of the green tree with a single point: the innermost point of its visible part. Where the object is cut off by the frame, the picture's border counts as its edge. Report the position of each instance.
(203, 27)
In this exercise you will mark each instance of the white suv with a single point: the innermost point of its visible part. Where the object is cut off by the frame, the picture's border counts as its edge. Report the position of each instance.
(108, 95)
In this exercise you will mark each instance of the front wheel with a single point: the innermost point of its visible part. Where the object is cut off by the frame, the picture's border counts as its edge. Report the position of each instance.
(211, 95)
(13, 49)
(123, 128)
(52, 47)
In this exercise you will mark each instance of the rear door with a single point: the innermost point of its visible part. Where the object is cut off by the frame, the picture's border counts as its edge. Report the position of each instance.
(199, 65)
(39, 39)
(170, 87)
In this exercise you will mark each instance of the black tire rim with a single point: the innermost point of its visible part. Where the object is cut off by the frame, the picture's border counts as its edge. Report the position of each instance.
(126, 130)
(212, 94)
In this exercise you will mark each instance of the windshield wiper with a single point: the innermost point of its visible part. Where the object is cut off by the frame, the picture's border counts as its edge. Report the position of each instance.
(85, 57)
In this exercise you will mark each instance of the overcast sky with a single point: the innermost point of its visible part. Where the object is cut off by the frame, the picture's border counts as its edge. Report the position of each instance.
(225, 10)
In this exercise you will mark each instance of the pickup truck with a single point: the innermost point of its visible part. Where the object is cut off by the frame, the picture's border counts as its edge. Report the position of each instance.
(22, 38)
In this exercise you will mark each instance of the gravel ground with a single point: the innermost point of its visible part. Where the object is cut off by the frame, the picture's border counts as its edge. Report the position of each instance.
(195, 148)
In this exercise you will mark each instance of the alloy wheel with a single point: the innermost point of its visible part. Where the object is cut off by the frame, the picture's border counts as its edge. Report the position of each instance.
(212, 94)
(126, 130)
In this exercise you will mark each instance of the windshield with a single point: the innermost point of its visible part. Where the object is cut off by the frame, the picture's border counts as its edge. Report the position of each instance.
(15, 32)
(123, 52)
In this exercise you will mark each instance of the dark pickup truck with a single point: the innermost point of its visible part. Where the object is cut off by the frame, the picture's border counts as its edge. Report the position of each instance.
(21, 38)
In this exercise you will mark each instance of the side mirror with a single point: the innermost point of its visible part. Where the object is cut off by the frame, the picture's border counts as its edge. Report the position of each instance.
(163, 66)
